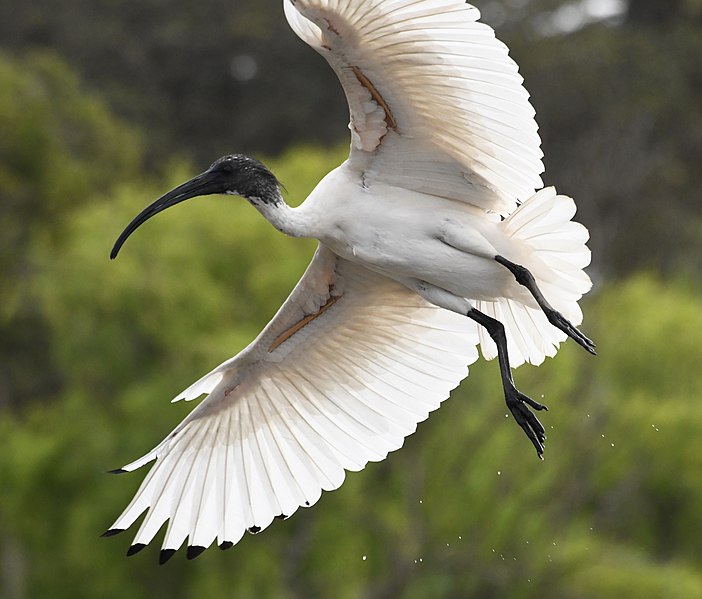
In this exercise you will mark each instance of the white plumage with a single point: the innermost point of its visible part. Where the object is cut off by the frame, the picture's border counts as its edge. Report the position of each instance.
(427, 233)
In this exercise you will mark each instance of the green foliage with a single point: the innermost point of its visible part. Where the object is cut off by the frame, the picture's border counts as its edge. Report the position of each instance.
(618, 103)
(60, 150)
(463, 510)
(59, 147)
(620, 116)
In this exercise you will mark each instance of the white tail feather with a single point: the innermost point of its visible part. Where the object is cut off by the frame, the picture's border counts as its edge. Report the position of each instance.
(555, 253)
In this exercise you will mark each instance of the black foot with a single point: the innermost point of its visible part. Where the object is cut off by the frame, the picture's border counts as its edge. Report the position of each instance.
(517, 404)
(561, 322)
(526, 279)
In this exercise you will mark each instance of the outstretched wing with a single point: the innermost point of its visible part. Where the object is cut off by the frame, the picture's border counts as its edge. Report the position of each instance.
(436, 103)
(340, 376)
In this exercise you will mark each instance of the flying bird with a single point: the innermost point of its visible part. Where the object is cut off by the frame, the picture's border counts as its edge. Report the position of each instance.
(432, 240)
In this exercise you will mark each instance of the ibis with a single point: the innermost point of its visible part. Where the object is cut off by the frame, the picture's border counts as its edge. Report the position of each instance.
(436, 237)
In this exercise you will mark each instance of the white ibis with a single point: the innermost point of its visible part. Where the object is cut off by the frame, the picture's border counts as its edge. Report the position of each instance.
(431, 241)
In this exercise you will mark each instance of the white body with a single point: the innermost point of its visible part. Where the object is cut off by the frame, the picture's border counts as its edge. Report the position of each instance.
(444, 163)
(409, 236)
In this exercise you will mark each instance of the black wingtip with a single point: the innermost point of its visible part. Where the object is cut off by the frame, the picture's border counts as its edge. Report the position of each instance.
(165, 555)
(117, 471)
(254, 530)
(112, 532)
(194, 550)
(136, 548)
(226, 545)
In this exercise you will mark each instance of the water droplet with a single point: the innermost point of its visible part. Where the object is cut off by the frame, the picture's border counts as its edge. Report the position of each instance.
(612, 444)
(364, 558)
(499, 473)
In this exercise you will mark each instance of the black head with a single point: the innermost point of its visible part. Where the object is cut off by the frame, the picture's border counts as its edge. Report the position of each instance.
(245, 176)
(234, 174)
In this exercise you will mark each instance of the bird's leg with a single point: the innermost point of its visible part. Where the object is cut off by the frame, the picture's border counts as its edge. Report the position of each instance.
(516, 401)
(525, 278)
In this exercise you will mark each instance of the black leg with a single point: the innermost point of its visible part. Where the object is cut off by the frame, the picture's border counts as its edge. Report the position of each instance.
(525, 278)
(516, 401)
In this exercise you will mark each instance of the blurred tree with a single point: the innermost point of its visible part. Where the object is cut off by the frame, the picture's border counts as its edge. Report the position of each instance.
(620, 114)
(656, 13)
(206, 79)
(618, 103)
(60, 149)
(460, 511)
(463, 510)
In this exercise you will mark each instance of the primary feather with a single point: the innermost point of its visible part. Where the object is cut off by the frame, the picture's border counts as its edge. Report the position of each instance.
(283, 421)
(463, 125)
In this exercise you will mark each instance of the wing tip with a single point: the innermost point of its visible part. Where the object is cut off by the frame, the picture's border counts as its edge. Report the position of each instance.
(112, 532)
(134, 549)
(194, 551)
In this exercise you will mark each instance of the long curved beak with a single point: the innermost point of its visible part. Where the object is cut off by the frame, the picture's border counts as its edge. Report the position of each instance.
(204, 184)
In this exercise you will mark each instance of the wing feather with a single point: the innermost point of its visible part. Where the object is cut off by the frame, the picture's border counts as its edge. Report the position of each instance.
(285, 421)
(424, 77)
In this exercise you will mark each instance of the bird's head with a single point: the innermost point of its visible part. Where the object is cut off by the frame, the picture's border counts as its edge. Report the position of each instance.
(234, 174)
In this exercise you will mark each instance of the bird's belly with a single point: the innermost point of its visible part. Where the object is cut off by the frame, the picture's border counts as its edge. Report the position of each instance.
(411, 256)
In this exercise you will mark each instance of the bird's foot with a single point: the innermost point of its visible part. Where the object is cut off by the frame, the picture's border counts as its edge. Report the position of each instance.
(518, 404)
(525, 278)
(561, 322)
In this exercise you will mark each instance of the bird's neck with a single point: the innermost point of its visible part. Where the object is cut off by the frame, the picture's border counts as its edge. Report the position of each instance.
(289, 220)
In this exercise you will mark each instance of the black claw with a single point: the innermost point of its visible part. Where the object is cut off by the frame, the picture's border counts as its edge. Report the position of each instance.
(526, 419)
(534, 404)
(112, 532)
(525, 278)
(561, 322)
(516, 402)
(136, 548)
(165, 555)
(282, 517)
(254, 530)
(226, 545)
(193, 551)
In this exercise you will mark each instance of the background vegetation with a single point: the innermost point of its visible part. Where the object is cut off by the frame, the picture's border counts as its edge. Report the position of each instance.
(104, 105)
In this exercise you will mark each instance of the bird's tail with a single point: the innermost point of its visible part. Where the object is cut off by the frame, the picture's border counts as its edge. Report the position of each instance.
(554, 251)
